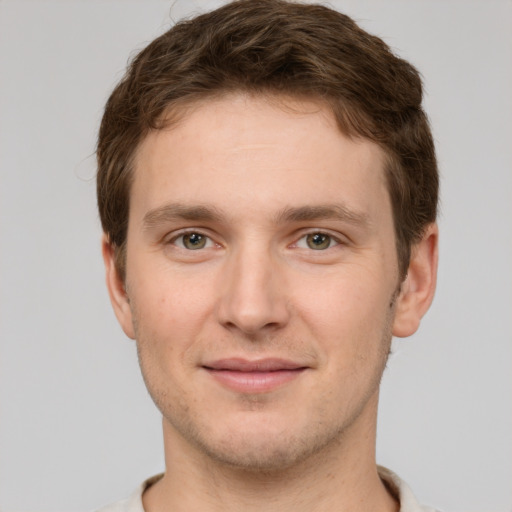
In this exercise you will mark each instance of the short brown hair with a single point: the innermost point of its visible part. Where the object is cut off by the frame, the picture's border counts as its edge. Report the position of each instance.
(276, 47)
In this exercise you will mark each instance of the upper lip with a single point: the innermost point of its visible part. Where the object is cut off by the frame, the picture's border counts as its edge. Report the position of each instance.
(257, 365)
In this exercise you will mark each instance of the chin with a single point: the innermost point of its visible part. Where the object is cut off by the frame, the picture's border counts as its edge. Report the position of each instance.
(262, 447)
(258, 455)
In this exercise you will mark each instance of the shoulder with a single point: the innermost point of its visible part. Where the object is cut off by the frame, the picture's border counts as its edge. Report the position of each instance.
(134, 502)
(402, 491)
(125, 505)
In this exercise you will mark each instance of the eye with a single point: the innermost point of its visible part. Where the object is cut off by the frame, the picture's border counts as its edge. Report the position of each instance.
(193, 241)
(317, 241)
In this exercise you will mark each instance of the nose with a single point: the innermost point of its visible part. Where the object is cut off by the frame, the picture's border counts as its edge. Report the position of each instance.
(253, 294)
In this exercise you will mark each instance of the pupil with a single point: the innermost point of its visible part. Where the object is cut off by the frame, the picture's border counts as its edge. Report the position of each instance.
(318, 241)
(194, 241)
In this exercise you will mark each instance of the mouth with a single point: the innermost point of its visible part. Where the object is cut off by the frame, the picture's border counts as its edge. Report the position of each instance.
(258, 376)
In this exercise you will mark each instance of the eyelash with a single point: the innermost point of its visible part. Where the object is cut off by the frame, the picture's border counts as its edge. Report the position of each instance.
(208, 240)
(333, 241)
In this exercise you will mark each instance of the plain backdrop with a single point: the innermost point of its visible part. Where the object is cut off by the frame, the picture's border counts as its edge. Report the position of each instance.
(77, 428)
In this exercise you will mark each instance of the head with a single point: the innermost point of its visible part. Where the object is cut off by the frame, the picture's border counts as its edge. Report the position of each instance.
(274, 47)
(266, 182)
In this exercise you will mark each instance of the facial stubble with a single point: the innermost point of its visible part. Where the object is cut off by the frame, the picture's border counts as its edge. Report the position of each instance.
(277, 453)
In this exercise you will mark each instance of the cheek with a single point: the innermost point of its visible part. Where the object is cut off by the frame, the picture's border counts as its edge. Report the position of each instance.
(341, 300)
(348, 316)
(165, 331)
(168, 316)
(171, 297)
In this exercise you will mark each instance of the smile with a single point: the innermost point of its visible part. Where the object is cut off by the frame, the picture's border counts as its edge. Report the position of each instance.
(259, 376)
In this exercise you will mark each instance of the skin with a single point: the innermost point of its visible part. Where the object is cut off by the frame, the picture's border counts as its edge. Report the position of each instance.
(258, 178)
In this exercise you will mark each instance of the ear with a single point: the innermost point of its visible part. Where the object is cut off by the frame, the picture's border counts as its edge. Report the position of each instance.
(417, 290)
(116, 289)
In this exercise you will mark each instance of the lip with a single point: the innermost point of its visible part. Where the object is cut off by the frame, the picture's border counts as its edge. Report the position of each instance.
(256, 376)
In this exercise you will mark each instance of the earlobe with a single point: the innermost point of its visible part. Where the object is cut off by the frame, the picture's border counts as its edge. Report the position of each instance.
(116, 289)
(418, 288)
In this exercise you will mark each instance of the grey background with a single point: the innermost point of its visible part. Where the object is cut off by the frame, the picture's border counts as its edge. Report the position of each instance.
(77, 428)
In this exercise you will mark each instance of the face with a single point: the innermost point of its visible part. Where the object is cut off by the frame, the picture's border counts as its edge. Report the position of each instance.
(261, 280)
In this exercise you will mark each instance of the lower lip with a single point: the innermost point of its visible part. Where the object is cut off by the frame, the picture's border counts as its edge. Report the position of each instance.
(254, 382)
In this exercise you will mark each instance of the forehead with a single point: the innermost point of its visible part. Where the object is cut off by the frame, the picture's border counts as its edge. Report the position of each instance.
(263, 149)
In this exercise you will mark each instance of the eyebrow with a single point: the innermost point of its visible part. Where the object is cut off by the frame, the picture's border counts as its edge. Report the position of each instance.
(177, 211)
(323, 212)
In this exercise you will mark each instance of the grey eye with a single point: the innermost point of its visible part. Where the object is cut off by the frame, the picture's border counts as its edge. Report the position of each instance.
(318, 241)
(194, 241)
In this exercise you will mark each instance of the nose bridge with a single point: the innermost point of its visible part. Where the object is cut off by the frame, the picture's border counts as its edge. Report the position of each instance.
(252, 298)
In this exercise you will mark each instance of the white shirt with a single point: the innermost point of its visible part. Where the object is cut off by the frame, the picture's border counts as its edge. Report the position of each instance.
(397, 486)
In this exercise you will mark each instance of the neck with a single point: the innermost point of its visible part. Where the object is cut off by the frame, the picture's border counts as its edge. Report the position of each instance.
(342, 476)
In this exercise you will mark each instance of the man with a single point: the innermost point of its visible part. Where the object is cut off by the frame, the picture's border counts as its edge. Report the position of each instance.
(267, 186)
